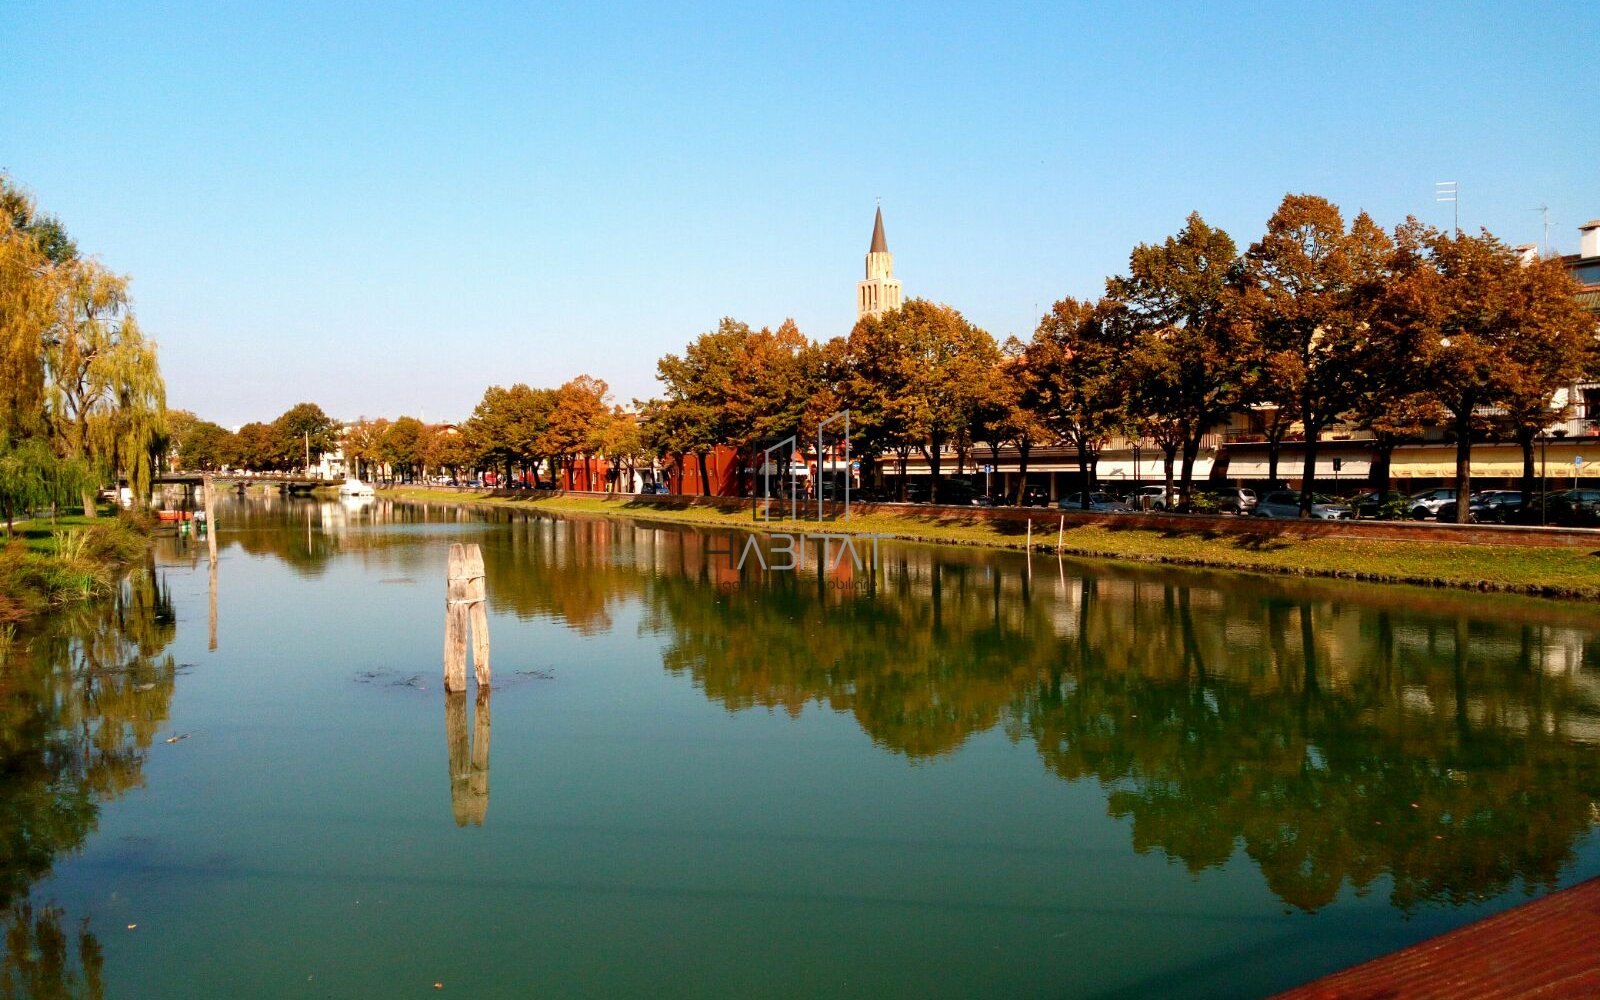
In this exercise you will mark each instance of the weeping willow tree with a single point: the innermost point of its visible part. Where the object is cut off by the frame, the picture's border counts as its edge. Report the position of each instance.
(105, 397)
(27, 308)
(76, 373)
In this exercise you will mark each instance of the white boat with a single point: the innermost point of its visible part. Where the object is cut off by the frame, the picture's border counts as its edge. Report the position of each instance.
(355, 488)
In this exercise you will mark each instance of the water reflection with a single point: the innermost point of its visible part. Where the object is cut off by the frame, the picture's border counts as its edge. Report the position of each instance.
(469, 761)
(1339, 735)
(82, 702)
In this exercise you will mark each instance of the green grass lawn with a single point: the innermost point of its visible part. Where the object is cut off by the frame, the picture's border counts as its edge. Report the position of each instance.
(39, 534)
(1554, 572)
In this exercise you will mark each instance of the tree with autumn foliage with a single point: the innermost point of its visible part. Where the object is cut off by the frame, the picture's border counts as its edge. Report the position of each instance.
(1077, 377)
(1488, 334)
(1003, 415)
(1191, 357)
(915, 379)
(578, 423)
(1308, 289)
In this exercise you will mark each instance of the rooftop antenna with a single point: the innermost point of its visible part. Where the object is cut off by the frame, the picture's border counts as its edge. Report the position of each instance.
(1449, 191)
(1544, 210)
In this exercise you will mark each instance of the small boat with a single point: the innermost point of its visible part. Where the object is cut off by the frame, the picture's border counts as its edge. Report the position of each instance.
(355, 488)
(168, 516)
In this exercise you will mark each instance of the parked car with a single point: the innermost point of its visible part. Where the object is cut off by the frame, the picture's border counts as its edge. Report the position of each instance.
(1035, 496)
(1099, 503)
(1477, 511)
(958, 492)
(1158, 498)
(1502, 505)
(1571, 508)
(1230, 500)
(1286, 504)
(1427, 503)
(656, 488)
(988, 500)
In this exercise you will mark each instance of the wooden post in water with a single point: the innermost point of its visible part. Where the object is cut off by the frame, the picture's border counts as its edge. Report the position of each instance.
(1029, 546)
(464, 612)
(1060, 528)
(478, 614)
(455, 623)
(211, 551)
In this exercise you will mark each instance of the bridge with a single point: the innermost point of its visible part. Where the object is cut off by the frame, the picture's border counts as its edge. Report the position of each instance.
(285, 482)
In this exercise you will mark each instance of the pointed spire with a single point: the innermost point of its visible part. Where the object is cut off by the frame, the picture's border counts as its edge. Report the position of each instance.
(879, 244)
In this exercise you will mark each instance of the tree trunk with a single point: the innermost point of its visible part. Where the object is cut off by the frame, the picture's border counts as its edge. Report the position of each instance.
(1191, 448)
(1463, 465)
(934, 474)
(1169, 454)
(705, 477)
(903, 454)
(1024, 449)
(88, 502)
(1525, 438)
(1085, 472)
(1382, 461)
(1308, 477)
(1274, 447)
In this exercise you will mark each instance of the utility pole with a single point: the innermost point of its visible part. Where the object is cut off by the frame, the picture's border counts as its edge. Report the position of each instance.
(308, 453)
(1544, 211)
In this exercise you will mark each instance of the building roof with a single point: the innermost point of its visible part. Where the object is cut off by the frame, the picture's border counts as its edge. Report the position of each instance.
(1591, 224)
(1590, 299)
(881, 245)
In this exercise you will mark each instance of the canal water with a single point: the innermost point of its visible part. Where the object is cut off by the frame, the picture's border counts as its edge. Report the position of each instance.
(938, 773)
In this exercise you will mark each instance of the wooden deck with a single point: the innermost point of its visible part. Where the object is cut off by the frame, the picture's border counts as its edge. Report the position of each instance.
(1545, 949)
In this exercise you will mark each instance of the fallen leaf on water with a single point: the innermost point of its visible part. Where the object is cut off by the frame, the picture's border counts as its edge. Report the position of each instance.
(132, 926)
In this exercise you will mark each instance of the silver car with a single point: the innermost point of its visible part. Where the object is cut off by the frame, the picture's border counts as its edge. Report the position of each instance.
(1427, 503)
(1099, 503)
(1286, 504)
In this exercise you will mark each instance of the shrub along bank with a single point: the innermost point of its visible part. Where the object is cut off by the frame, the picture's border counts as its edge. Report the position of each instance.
(46, 563)
(1570, 572)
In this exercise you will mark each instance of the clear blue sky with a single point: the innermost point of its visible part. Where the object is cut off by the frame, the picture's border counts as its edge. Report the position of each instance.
(384, 208)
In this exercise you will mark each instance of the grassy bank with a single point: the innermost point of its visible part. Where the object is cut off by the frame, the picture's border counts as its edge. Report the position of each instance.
(47, 563)
(1548, 572)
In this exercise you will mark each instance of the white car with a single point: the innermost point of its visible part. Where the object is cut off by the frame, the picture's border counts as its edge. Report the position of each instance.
(1160, 499)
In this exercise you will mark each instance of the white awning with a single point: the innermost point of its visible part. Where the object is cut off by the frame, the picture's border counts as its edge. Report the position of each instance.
(1291, 467)
(1149, 470)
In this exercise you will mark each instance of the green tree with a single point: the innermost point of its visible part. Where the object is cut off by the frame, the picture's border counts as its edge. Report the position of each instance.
(404, 445)
(304, 434)
(508, 427)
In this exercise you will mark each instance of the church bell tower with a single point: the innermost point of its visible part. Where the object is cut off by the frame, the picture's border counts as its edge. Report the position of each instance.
(880, 292)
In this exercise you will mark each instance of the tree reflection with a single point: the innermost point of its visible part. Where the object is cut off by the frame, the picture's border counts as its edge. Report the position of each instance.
(1336, 742)
(1336, 735)
(81, 702)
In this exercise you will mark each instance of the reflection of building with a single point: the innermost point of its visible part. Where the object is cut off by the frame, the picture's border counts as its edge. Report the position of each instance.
(880, 292)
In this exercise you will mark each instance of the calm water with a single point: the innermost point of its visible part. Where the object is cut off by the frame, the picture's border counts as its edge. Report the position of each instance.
(957, 775)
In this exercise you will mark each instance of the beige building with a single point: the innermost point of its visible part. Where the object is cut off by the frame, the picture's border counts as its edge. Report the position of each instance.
(880, 292)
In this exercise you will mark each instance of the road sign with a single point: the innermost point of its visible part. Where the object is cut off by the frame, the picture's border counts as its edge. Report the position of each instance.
(986, 468)
(1578, 461)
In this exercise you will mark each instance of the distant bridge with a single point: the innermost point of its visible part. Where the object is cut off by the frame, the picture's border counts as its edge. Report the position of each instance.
(285, 482)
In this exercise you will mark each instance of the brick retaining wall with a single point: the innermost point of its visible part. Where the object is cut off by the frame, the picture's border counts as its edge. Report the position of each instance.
(1045, 517)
